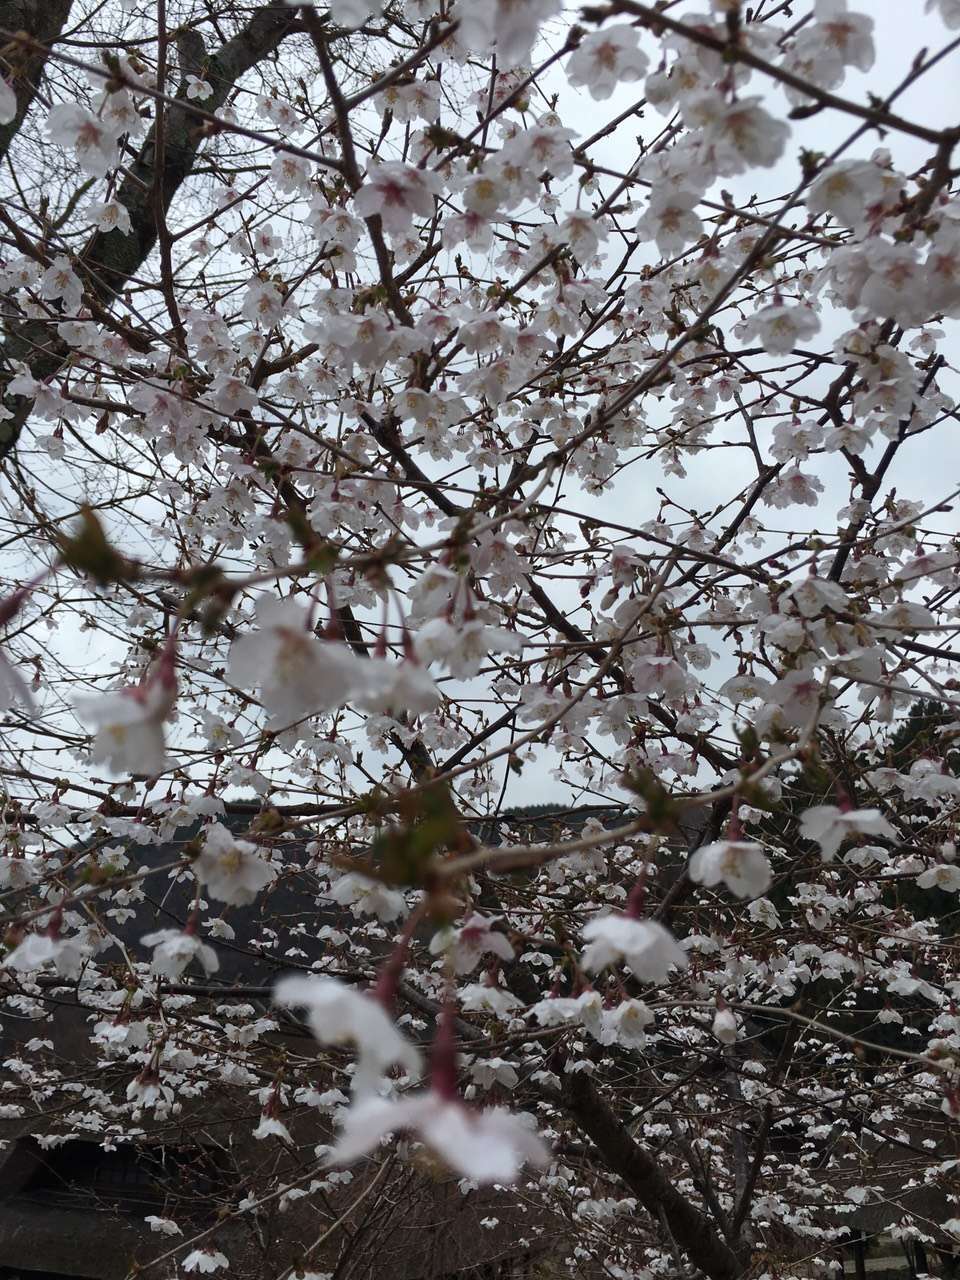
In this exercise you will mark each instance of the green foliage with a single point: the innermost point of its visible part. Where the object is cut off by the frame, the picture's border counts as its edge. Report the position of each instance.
(87, 551)
(430, 823)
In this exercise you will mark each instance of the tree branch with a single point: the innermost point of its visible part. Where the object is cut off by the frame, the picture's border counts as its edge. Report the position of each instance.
(112, 257)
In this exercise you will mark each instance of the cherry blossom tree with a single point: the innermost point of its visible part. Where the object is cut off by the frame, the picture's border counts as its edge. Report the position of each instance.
(416, 410)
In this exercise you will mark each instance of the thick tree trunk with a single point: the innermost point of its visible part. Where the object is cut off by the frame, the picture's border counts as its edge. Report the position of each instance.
(111, 258)
(115, 256)
(691, 1229)
(43, 20)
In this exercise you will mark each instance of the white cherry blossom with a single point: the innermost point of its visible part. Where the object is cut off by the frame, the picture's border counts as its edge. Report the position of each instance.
(396, 193)
(463, 647)
(627, 1023)
(396, 687)
(205, 1261)
(484, 195)
(949, 11)
(489, 1146)
(37, 950)
(264, 303)
(779, 328)
(739, 864)
(586, 1009)
(485, 997)
(367, 897)
(163, 1226)
(13, 688)
(109, 215)
(18, 872)
(338, 1014)
(725, 1026)
(198, 89)
(271, 1127)
(297, 674)
(606, 57)
(946, 876)
(60, 282)
(467, 945)
(231, 870)
(354, 13)
(794, 487)
(828, 826)
(92, 142)
(854, 191)
(511, 26)
(494, 1071)
(742, 134)
(647, 949)
(174, 949)
(554, 413)
(670, 219)
(129, 723)
(850, 34)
